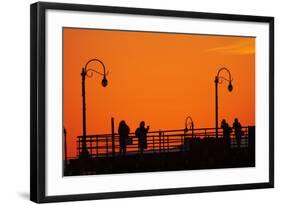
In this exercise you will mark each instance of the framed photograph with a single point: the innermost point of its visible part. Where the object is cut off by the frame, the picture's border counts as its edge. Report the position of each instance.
(129, 102)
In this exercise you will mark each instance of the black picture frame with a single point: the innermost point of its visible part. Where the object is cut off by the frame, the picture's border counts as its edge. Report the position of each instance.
(38, 101)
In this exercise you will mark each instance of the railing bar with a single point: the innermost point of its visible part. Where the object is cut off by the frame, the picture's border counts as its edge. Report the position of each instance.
(178, 130)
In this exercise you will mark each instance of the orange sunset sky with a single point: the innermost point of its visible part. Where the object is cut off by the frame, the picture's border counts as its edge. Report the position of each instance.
(157, 77)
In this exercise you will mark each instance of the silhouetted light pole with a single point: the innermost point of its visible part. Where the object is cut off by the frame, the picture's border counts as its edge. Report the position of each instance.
(191, 125)
(219, 79)
(88, 73)
(65, 147)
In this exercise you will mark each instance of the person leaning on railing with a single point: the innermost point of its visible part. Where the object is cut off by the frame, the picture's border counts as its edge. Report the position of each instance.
(226, 134)
(123, 132)
(141, 134)
(238, 131)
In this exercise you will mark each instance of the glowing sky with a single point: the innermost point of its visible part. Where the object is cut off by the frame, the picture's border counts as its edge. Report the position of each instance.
(157, 77)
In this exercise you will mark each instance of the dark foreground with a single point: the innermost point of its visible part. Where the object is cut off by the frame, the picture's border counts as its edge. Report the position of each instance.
(201, 155)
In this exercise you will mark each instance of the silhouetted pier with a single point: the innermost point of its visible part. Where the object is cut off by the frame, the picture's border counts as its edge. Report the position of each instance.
(166, 150)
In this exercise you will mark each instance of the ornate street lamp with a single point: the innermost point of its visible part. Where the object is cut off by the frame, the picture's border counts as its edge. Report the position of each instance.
(218, 80)
(88, 72)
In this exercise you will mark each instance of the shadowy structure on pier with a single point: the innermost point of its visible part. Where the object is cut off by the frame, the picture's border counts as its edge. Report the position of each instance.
(167, 150)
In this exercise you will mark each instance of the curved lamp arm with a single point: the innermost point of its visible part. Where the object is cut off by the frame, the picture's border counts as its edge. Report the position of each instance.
(89, 72)
(92, 70)
(221, 77)
(218, 78)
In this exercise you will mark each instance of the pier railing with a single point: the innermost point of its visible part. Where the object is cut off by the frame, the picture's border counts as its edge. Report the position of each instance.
(161, 141)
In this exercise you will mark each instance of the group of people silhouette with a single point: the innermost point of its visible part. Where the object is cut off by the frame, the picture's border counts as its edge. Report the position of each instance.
(124, 138)
(141, 135)
(227, 130)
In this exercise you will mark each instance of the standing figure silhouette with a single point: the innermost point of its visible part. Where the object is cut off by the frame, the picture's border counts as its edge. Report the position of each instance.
(141, 134)
(238, 131)
(226, 134)
(123, 132)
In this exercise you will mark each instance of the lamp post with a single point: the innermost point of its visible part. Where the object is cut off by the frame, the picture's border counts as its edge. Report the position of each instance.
(84, 154)
(218, 80)
(191, 125)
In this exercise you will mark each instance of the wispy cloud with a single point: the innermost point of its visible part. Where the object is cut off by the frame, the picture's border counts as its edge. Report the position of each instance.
(240, 47)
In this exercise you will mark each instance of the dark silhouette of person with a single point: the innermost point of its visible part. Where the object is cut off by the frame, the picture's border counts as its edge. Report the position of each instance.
(238, 131)
(123, 132)
(141, 134)
(226, 134)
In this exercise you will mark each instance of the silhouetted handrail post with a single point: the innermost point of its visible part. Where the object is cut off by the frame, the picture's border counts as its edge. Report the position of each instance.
(219, 79)
(97, 146)
(182, 140)
(91, 145)
(160, 141)
(168, 143)
(192, 130)
(84, 154)
(106, 145)
(153, 143)
(112, 137)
